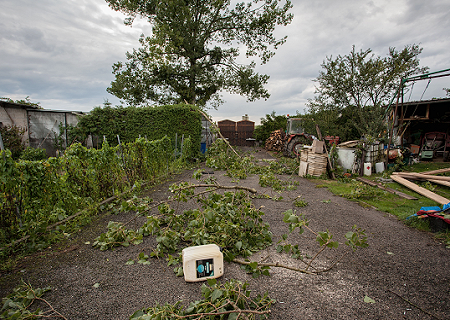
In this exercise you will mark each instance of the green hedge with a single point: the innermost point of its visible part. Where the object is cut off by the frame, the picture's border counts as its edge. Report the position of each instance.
(36, 194)
(154, 123)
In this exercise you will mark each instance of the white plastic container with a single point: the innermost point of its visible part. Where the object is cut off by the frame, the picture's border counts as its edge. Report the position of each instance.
(202, 262)
(367, 168)
(379, 167)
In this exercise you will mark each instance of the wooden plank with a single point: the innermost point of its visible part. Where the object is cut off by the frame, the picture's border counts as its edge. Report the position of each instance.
(413, 175)
(444, 183)
(436, 171)
(379, 185)
(303, 169)
(426, 193)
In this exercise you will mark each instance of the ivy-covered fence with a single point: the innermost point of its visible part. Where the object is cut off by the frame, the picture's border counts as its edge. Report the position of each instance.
(152, 122)
(36, 194)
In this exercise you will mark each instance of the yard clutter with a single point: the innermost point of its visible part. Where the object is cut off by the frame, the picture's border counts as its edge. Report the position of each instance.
(439, 218)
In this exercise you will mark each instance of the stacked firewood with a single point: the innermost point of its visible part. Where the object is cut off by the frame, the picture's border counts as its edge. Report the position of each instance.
(276, 141)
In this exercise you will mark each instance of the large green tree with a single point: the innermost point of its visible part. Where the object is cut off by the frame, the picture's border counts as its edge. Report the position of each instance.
(193, 50)
(353, 90)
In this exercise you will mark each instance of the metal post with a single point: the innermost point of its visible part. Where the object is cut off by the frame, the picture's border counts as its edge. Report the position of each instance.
(2, 147)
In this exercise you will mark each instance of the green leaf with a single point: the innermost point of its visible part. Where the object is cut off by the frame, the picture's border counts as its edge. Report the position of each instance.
(96, 285)
(212, 282)
(130, 262)
(233, 316)
(368, 300)
(238, 245)
(216, 295)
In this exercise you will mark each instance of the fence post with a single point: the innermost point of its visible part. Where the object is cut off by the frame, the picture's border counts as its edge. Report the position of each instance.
(182, 141)
(2, 147)
(123, 159)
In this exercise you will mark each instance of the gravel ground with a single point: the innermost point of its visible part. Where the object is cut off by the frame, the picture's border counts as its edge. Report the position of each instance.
(405, 271)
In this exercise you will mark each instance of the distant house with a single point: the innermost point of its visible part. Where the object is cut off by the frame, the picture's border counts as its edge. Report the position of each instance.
(41, 126)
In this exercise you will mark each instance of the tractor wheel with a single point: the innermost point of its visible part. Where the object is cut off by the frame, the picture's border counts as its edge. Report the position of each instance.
(295, 146)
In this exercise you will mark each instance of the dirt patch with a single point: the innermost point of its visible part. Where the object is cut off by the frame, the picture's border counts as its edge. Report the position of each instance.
(400, 265)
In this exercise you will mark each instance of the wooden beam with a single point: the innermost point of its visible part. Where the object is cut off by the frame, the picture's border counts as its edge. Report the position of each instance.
(426, 193)
(412, 175)
(444, 183)
(379, 185)
(436, 171)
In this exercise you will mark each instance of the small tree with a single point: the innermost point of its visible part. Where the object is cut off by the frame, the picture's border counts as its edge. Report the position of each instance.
(354, 90)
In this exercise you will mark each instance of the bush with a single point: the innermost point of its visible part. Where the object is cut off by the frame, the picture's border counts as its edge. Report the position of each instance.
(12, 139)
(33, 154)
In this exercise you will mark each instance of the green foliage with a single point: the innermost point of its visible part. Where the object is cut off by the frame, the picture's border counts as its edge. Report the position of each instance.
(37, 194)
(362, 191)
(12, 139)
(228, 220)
(192, 51)
(155, 123)
(18, 305)
(299, 202)
(33, 154)
(353, 91)
(270, 123)
(220, 157)
(229, 300)
(26, 101)
(356, 238)
(268, 179)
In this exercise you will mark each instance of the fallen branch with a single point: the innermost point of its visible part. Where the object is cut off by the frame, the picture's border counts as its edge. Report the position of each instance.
(276, 264)
(95, 206)
(414, 305)
(213, 186)
(218, 186)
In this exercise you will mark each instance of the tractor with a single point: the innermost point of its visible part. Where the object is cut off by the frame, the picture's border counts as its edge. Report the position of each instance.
(295, 138)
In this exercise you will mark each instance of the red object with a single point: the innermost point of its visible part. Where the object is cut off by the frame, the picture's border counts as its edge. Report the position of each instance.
(332, 139)
(431, 213)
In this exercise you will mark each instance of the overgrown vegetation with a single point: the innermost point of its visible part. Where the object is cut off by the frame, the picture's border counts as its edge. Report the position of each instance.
(12, 139)
(38, 196)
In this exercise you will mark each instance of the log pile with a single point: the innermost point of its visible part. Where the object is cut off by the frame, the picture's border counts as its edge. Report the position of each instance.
(276, 141)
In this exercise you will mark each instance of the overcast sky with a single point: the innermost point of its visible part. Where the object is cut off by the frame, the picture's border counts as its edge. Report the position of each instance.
(60, 52)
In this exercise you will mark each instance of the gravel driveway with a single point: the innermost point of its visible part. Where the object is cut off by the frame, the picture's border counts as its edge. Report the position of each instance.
(405, 271)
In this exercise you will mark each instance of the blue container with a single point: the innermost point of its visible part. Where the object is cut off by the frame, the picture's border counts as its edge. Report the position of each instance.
(203, 147)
